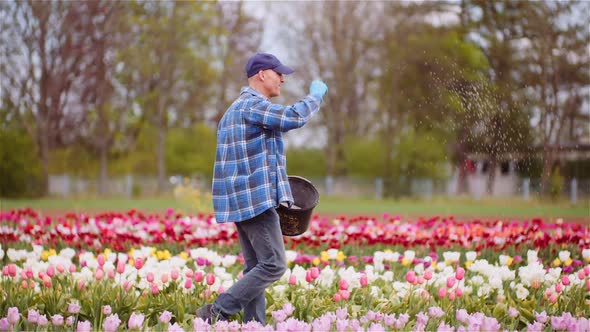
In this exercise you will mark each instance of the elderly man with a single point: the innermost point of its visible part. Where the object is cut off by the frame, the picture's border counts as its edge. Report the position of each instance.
(250, 181)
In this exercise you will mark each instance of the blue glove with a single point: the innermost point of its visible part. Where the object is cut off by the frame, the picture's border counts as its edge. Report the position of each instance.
(318, 89)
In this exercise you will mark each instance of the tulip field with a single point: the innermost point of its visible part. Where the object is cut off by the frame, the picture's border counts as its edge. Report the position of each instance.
(119, 271)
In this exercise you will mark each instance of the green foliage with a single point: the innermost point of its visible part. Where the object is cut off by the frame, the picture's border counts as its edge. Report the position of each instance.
(306, 162)
(421, 153)
(20, 172)
(364, 157)
(191, 150)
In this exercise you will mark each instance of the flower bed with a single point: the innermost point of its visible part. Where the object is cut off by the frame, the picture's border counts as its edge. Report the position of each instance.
(136, 271)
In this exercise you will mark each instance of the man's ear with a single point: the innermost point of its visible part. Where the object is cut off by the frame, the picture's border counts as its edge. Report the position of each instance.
(261, 75)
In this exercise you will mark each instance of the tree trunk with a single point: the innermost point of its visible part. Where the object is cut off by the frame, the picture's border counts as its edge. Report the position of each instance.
(103, 172)
(491, 174)
(546, 173)
(161, 159)
(44, 156)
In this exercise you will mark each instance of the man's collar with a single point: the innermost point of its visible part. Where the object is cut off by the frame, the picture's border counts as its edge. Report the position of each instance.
(251, 90)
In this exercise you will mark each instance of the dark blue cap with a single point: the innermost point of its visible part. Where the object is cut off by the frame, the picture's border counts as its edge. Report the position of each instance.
(263, 61)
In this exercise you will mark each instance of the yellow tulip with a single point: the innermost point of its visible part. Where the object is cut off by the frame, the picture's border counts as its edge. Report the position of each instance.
(316, 261)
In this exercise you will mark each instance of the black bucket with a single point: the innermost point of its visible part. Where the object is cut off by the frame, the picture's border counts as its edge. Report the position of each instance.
(295, 220)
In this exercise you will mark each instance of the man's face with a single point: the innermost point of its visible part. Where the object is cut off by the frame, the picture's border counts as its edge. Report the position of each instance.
(272, 82)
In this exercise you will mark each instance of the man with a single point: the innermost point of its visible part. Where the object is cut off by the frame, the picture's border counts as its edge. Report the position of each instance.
(250, 180)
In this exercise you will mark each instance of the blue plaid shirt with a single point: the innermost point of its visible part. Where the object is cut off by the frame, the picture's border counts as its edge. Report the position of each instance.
(250, 172)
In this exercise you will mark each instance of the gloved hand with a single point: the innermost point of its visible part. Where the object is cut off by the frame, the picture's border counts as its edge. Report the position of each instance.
(318, 88)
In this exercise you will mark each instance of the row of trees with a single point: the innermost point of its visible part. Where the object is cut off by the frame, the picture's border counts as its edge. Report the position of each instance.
(413, 86)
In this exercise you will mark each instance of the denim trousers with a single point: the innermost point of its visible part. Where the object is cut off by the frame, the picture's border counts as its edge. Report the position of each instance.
(262, 245)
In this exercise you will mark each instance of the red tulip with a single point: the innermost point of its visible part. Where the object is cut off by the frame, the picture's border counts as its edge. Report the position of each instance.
(210, 278)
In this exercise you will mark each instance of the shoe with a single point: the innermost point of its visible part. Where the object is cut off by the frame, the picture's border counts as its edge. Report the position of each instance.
(209, 314)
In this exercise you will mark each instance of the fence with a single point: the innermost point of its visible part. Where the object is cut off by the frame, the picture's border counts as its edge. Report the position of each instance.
(132, 186)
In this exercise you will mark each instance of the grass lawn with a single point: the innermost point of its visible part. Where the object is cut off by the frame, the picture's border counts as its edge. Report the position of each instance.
(333, 206)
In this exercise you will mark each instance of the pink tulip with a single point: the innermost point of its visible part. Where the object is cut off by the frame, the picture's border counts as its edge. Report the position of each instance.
(588, 285)
(315, 272)
(308, 276)
(107, 310)
(452, 296)
(189, 273)
(458, 291)
(136, 321)
(364, 280)
(138, 263)
(50, 271)
(23, 274)
(12, 270)
(41, 274)
(442, 292)
(164, 278)
(553, 298)
(73, 308)
(581, 275)
(30, 273)
(420, 280)
(450, 281)
(565, 280)
(98, 274)
(174, 274)
(220, 290)
(24, 284)
(343, 284)
(587, 270)
(210, 278)
(72, 268)
(111, 274)
(100, 259)
(558, 287)
(292, 280)
(460, 273)
(155, 289)
(150, 277)
(188, 283)
(198, 276)
(60, 268)
(337, 297)
(411, 277)
(121, 267)
(13, 315)
(47, 281)
(428, 274)
(344, 294)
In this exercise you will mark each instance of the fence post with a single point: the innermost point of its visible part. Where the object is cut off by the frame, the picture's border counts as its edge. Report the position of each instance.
(129, 185)
(329, 185)
(379, 188)
(574, 191)
(526, 182)
(67, 186)
(429, 188)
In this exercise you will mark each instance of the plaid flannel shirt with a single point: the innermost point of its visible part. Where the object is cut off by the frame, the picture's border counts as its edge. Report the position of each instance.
(250, 172)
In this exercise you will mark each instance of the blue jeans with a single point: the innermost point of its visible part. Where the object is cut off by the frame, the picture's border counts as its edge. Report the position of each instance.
(264, 254)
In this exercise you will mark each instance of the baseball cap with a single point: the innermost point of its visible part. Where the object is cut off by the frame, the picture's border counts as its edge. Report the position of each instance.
(263, 61)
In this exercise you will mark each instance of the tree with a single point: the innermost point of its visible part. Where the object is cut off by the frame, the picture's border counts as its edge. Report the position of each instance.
(109, 111)
(557, 75)
(498, 28)
(44, 47)
(238, 36)
(339, 37)
(168, 72)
